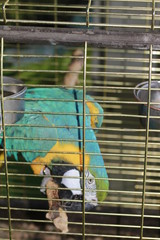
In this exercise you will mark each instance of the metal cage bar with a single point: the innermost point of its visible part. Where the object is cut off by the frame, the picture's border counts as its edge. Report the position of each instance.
(130, 152)
(4, 135)
(138, 14)
(147, 139)
(84, 125)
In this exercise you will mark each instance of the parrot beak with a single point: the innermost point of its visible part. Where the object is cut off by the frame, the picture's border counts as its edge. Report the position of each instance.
(75, 203)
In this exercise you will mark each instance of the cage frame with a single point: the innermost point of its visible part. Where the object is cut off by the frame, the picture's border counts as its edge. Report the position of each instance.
(134, 40)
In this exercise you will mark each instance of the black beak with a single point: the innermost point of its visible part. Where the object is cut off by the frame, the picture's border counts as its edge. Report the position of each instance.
(75, 203)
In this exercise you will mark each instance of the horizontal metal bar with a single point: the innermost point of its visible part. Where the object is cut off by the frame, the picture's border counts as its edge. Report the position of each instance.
(111, 129)
(97, 7)
(110, 179)
(89, 153)
(99, 202)
(87, 213)
(80, 6)
(77, 212)
(139, 40)
(89, 73)
(40, 221)
(114, 236)
(96, 88)
(45, 232)
(4, 229)
(99, 101)
(111, 236)
(121, 193)
(135, 1)
(79, 114)
(113, 142)
(43, 210)
(39, 71)
(47, 12)
(87, 224)
(129, 193)
(112, 167)
(77, 24)
(131, 59)
(18, 55)
(80, 223)
(44, 5)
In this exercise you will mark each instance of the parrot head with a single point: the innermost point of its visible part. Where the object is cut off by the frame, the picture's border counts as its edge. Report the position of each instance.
(70, 181)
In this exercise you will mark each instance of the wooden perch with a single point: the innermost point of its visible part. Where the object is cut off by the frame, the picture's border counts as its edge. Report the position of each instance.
(56, 213)
(71, 79)
(76, 37)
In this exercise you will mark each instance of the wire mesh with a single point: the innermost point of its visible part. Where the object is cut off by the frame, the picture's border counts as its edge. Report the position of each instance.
(121, 138)
(130, 150)
(97, 14)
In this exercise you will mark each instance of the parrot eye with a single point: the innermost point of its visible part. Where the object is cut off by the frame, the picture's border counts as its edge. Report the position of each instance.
(89, 178)
(46, 171)
(91, 181)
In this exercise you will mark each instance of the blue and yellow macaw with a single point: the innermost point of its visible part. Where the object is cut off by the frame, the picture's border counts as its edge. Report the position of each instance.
(51, 132)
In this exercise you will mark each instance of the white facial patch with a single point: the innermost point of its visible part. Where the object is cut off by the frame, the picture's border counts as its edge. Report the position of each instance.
(71, 179)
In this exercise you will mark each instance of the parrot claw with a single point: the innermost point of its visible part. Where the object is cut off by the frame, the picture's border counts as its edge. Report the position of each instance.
(46, 172)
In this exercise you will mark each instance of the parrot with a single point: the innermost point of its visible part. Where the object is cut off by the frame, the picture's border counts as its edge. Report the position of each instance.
(50, 137)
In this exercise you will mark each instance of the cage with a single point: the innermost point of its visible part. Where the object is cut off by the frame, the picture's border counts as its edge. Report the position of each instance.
(109, 50)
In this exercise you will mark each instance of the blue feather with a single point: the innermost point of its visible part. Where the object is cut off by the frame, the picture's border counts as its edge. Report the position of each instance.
(51, 114)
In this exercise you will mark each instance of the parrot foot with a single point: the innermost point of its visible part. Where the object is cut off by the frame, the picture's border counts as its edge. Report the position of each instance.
(47, 173)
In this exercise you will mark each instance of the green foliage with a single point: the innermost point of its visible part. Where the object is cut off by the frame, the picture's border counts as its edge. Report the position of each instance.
(19, 183)
(43, 71)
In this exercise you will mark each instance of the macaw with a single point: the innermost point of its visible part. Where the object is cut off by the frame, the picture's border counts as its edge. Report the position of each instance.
(50, 133)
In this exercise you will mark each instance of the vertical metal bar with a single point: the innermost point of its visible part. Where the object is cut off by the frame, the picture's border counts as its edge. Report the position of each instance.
(4, 11)
(153, 14)
(146, 143)
(17, 12)
(84, 119)
(55, 12)
(87, 12)
(5, 154)
(18, 44)
(56, 75)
